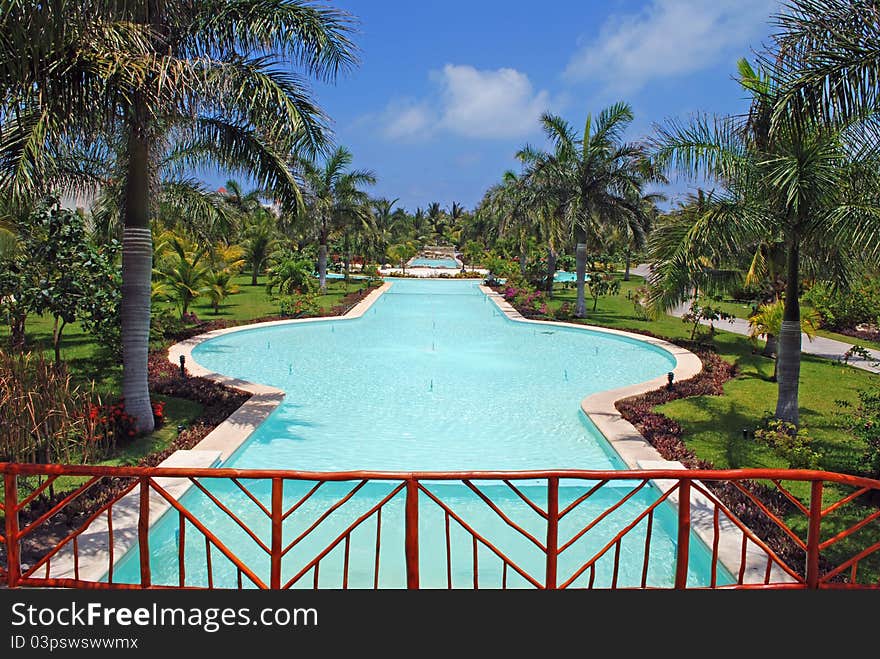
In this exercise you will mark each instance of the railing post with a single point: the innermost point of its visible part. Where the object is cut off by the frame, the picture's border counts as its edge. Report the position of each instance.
(411, 545)
(277, 501)
(552, 531)
(10, 504)
(684, 533)
(814, 534)
(144, 532)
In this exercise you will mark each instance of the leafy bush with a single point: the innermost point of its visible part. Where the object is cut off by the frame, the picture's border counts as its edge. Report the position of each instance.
(298, 305)
(45, 418)
(846, 309)
(864, 423)
(291, 273)
(566, 262)
(165, 323)
(790, 443)
(564, 312)
(499, 268)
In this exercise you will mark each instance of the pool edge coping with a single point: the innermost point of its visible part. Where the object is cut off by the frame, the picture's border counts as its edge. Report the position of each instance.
(229, 435)
(637, 453)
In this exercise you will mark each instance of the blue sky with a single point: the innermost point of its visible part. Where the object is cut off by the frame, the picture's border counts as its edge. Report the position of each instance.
(447, 91)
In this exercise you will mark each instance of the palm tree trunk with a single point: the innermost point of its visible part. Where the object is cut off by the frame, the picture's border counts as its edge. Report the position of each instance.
(522, 262)
(581, 256)
(551, 270)
(788, 360)
(137, 268)
(254, 276)
(770, 346)
(322, 265)
(626, 266)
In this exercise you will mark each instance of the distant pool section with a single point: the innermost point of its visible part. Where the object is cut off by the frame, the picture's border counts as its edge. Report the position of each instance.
(424, 262)
(564, 277)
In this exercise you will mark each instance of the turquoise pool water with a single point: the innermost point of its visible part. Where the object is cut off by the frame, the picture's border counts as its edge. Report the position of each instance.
(563, 276)
(432, 377)
(434, 263)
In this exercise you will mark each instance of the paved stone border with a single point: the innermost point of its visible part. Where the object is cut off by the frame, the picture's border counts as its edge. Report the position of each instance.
(214, 448)
(638, 453)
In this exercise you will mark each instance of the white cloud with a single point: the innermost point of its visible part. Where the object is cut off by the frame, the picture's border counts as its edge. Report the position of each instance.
(407, 122)
(669, 38)
(490, 104)
(484, 104)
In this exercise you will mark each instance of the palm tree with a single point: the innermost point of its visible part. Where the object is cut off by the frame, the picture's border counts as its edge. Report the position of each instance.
(594, 179)
(401, 253)
(828, 59)
(508, 202)
(334, 199)
(201, 76)
(220, 285)
(259, 242)
(799, 185)
(386, 222)
(183, 272)
(437, 218)
(767, 322)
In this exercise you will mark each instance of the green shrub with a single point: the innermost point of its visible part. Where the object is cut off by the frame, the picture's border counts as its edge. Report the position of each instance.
(846, 309)
(298, 305)
(790, 443)
(864, 423)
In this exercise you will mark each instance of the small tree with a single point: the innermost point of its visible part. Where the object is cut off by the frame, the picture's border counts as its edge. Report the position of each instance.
(401, 253)
(220, 286)
(767, 322)
(601, 284)
(183, 272)
(65, 274)
(474, 252)
(698, 313)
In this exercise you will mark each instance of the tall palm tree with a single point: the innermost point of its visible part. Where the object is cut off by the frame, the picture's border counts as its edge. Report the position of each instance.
(508, 202)
(799, 184)
(595, 179)
(437, 218)
(828, 58)
(203, 76)
(334, 199)
(387, 222)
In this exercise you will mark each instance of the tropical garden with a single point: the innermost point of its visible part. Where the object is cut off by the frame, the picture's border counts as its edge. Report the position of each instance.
(111, 248)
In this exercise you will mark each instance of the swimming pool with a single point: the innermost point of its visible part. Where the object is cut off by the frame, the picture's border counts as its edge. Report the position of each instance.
(432, 378)
(423, 262)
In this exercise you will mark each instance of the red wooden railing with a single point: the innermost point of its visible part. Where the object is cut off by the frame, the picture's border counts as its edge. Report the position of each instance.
(821, 559)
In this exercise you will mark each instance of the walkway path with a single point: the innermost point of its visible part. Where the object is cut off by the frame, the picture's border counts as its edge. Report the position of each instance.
(819, 346)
